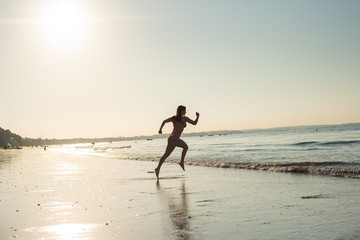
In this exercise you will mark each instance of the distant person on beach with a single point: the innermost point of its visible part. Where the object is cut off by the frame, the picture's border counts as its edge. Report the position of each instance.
(179, 121)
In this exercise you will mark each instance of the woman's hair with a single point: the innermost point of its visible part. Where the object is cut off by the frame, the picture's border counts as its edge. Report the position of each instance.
(178, 116)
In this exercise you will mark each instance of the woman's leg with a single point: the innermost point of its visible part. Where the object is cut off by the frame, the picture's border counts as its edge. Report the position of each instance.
(184, 146)
(169, 149)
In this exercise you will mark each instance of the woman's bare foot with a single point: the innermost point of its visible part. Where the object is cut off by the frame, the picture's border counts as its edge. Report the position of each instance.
(157, 172)
(182, 165)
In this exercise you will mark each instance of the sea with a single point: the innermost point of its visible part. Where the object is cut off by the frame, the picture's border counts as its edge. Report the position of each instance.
(330, 150)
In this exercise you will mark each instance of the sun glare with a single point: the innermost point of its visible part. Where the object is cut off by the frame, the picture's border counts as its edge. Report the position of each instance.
(64, 24)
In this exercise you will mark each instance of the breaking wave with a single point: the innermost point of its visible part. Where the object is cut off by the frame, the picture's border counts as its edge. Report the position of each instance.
(335, 169)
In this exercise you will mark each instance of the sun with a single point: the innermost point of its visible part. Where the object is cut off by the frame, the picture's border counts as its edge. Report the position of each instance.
(64, 24)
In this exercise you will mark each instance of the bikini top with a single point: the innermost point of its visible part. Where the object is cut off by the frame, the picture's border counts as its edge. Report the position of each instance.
(178, 129)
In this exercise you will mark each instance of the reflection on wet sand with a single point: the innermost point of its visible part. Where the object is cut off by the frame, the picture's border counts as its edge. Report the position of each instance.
(65, 231)
(178, 210)
(6, 157)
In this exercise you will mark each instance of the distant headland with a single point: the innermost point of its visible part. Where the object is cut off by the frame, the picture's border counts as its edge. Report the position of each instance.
(9, 140)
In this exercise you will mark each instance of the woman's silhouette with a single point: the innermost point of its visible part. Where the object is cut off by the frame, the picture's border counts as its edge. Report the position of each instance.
(179, 121)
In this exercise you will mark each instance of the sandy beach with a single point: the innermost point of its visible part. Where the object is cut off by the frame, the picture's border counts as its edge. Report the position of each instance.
(54, 195)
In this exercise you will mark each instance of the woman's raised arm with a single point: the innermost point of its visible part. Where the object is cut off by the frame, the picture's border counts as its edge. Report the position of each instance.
(192, 121)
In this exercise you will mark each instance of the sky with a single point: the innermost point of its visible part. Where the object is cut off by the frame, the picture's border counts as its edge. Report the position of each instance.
(86, 68)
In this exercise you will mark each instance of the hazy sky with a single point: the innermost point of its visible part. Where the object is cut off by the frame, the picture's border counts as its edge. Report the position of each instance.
(118, 68)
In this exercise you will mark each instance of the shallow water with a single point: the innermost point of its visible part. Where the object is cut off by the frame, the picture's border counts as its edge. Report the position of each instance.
(328, 150)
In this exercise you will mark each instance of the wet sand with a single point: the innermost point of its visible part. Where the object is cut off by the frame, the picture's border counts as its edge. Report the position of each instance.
(53, 195)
